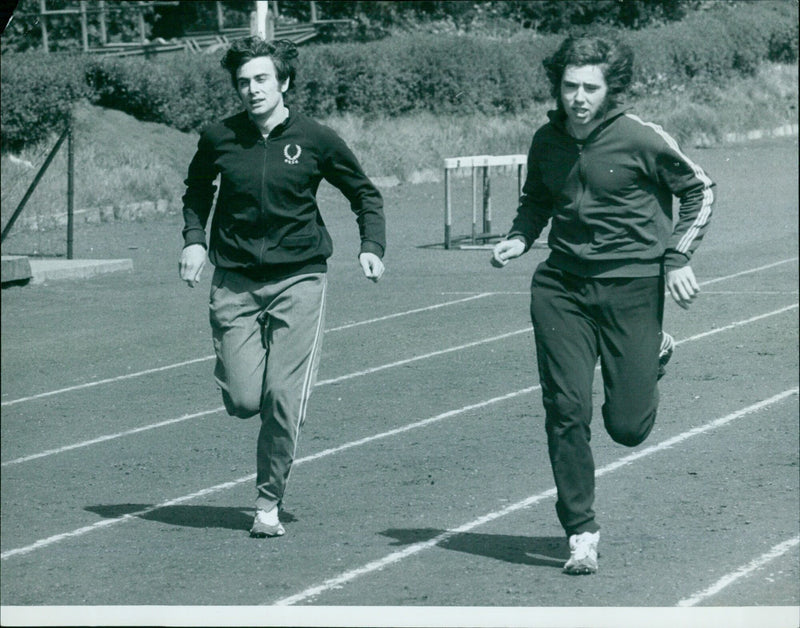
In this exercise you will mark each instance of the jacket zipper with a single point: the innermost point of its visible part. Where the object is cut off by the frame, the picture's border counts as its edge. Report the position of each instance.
(581, 180)
(581, 193)
(261, 199)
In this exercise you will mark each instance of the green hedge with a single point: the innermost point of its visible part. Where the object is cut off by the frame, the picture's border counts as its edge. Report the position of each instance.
(716, 44)
(440, 74)
(38, 93)
(183, 91)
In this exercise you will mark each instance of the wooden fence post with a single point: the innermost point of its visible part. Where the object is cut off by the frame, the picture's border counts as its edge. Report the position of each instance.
(84, 26)
(43, 24)
(70, 186)
(103, 30)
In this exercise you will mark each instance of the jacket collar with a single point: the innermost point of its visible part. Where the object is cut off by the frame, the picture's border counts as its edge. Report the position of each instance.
(278, 130)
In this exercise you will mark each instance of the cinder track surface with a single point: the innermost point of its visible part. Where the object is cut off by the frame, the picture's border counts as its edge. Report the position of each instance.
(422, 477)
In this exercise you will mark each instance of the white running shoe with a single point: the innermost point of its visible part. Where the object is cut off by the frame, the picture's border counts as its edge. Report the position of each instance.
(583, 553)
(266, 523)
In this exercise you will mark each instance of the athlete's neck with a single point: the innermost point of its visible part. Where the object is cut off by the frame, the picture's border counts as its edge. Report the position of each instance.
(269, 121)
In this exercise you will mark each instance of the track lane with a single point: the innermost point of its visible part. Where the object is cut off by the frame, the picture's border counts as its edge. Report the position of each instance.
(184, 363)
(227, 485)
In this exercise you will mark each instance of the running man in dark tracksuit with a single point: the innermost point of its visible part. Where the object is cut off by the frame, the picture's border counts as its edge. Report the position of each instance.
(269, 246)
(604, 179)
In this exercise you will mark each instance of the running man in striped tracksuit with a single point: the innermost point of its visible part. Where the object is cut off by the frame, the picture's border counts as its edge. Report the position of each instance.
(604, 179)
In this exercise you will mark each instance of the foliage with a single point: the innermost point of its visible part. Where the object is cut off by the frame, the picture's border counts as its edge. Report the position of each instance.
(440, 73)
(375, 20)
(183, 18)
(712, 46)
(38, 93)
(418, 73)
(183, 91)
(360, 21)
(122, 160)
(64, 30)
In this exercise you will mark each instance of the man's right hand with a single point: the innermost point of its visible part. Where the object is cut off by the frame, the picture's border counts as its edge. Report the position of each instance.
(506, 250)
(193, 259)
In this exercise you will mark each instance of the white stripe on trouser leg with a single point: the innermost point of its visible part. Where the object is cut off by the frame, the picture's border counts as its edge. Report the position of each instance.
(308, 379)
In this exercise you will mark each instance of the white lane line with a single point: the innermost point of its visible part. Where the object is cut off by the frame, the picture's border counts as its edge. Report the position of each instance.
(707, 282)
(415, 548)
(425, 356)
(748, 272)
(211, 357)
(737, 324)
(423, 422)
(741, 292)
(324, 382)
(341, 327)
(359, 373)
(107, 437)
(104, 381)
(226, 485)
(427, 308)
(776, 552)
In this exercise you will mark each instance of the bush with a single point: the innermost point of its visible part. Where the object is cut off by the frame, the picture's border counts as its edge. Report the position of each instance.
(38, 93)
(714, 45)
(182, 91)
(443, 74)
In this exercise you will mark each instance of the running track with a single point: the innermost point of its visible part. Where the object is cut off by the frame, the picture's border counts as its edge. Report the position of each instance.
(421, 479)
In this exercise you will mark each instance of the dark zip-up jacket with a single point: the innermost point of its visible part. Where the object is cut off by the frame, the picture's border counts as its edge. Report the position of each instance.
(610, 198)
(266, 222)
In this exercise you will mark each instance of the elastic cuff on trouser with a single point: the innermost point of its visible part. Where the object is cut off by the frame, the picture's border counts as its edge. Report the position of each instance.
(262, 503)
(589, 526)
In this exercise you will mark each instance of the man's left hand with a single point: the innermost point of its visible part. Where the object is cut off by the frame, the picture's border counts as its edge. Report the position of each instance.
(372, 266)
(682, 285)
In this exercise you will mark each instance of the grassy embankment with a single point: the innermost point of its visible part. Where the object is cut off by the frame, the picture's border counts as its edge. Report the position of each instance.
(121, 161)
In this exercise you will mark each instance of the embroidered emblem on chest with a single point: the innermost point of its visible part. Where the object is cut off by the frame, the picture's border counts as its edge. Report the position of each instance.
(291, 156)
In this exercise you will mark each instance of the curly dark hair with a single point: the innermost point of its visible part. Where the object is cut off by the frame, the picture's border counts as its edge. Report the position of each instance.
(283, 53)
(615, 59)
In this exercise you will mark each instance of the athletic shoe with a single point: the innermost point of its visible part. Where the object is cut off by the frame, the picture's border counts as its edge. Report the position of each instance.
(266, 524)
(665, 353)
(583, 553)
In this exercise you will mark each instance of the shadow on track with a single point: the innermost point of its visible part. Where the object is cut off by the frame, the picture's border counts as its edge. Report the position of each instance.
(542, 551)
(188, 516)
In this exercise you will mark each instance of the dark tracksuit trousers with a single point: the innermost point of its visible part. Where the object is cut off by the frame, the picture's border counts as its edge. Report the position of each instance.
(575, 320)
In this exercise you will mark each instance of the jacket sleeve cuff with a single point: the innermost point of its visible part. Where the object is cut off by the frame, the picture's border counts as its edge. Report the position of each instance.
(369, 246)
(673, 260)
(194, 236)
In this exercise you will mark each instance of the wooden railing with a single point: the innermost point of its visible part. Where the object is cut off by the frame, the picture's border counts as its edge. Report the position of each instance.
(191, 42)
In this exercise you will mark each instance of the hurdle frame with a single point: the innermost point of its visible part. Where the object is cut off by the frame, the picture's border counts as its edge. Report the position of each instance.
(482, 164)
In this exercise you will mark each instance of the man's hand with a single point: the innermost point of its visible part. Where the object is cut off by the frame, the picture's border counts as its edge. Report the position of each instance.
(193, 259)
(506, 250)
(372, 266)
(682, 285)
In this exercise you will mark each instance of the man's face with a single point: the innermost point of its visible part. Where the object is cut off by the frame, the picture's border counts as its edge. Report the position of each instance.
(583, 94)
(258, 87)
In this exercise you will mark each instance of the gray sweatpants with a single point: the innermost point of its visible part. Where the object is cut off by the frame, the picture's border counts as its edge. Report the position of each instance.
(267, 338)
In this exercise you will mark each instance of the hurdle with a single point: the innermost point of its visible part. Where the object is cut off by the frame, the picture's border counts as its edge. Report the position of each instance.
(479, 164)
